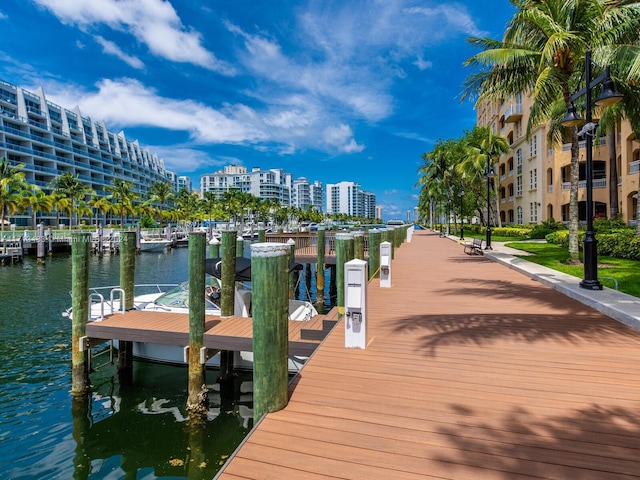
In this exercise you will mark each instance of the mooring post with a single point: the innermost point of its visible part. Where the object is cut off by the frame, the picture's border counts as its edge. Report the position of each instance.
(262, 236)
(50, 239)
(358, 245)
(80, 252)
(197, 401)
(320, 262)
(374, 252)
(344, 253)
(40, 246)
(239, 246)
(292, 275)
(269, 278)
(214, 248)
(138, 237)
(228, 280)
(127, 281)
(100, 240)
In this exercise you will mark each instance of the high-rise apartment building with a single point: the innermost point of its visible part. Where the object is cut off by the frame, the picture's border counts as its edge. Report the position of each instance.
(51, 140)
(348, 198)
(307, 195)
(273, 183)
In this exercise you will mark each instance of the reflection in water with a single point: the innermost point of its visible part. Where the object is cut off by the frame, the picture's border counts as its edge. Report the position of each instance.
(130, 432)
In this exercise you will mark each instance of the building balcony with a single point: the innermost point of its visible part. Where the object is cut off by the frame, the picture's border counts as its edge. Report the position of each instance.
(513, 114)
(597, 183)
(634, 167)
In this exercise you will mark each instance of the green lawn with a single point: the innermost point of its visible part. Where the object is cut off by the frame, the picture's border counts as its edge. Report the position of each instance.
(626, 272)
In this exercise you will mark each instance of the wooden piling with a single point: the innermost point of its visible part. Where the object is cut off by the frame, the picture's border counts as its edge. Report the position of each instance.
(269, 276)
(50, 240)
(374, 253)
(40, 248)
(214, 248)
(292, 275)
(138, 237)
(320, 262)
(100, 240)
(344, 253)
(127, 282)
(197, 391)
(262, 236)
(239, 246)
(227, 299)
(80, 252)
(358, 245)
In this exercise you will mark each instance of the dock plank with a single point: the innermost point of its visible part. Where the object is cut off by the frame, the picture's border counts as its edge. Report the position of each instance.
(472, 371)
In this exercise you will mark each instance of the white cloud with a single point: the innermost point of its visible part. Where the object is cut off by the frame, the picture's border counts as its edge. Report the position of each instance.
(112, 49)
(154, 23)
(3, 16)
(286, 127)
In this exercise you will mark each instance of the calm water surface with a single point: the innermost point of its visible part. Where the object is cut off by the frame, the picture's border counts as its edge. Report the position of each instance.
(136, 432)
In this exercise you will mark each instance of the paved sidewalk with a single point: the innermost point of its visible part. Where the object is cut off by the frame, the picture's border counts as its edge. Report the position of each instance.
(617, 305)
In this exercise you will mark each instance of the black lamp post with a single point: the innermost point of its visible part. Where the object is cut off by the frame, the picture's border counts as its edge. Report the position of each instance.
(461, 194)
(608, 96)
(489, 175)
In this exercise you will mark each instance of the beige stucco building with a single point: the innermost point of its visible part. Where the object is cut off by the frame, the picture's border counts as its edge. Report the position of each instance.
(534, 176)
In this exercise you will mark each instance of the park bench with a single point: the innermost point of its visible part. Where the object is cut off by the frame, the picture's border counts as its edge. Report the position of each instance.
(474, 247)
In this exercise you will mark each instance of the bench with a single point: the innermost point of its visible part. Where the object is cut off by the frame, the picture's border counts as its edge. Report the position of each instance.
(473, 248)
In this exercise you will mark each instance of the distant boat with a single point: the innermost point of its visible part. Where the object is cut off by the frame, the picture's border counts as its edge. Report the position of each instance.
(149, 244)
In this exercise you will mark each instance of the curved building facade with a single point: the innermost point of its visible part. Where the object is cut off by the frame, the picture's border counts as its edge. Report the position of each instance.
(51, 140)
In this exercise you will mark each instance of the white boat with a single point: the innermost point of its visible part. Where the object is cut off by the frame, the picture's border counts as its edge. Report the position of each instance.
(153, 244)
(105, 301)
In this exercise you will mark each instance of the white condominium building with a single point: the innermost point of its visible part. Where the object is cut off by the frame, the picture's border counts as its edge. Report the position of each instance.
(273, 183)
(51, 140)
(305, 194)
(348, 198)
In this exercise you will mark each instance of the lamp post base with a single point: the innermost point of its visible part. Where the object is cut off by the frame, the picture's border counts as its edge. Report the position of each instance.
(488, 241)
(591, 285)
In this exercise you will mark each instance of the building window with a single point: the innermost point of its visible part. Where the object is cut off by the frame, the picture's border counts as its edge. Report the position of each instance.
(533, 179)
(533, 207)
(519, 215)
(519, 162)
(519, 186)
(533, 146)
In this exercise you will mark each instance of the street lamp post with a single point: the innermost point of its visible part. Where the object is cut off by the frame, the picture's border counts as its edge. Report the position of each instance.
(490, 174)
(461, 194)
(608, 96)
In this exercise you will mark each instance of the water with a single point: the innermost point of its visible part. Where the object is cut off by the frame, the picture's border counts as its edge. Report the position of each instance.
(119, 432)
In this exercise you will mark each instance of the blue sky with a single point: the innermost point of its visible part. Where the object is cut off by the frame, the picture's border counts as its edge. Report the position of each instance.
(330, 90)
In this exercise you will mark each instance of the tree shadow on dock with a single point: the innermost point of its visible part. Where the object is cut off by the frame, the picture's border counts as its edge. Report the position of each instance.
(446, 330)
(596, 442)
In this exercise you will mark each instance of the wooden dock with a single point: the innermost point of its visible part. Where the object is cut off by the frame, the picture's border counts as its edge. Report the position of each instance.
(473, 371)
(221, 333)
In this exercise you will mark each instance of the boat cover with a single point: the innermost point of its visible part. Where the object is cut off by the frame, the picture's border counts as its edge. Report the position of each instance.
(213, 266)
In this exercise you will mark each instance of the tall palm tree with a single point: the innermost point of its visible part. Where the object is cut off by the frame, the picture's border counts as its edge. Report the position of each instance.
(543, 52)
(12, 183)
(123, 197)
(38, 201)
(73, 188)
(161, 193)
(102, 204)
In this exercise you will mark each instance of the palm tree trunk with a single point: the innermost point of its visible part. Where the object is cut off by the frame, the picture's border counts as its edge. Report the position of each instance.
(638, 212)
(613, 174)
(574, 253)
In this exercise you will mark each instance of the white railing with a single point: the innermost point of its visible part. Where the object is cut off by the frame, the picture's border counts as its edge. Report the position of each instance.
(550, 189)
(597, 183)
(634, 167)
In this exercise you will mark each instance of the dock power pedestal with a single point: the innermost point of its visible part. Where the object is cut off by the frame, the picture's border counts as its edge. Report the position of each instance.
(385, 264)
(355, 302)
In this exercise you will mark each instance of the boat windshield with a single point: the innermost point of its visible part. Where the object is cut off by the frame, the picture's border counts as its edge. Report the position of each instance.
(178, 297)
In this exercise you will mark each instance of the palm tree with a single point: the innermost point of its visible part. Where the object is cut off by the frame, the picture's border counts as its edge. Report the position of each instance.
(543, 52)
(102, 204)
(123, 198)
(37, 201)
(12, 183)
(73, 188)
(161, 192)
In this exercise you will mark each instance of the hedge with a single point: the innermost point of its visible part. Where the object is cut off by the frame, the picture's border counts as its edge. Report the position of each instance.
(622, 244)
